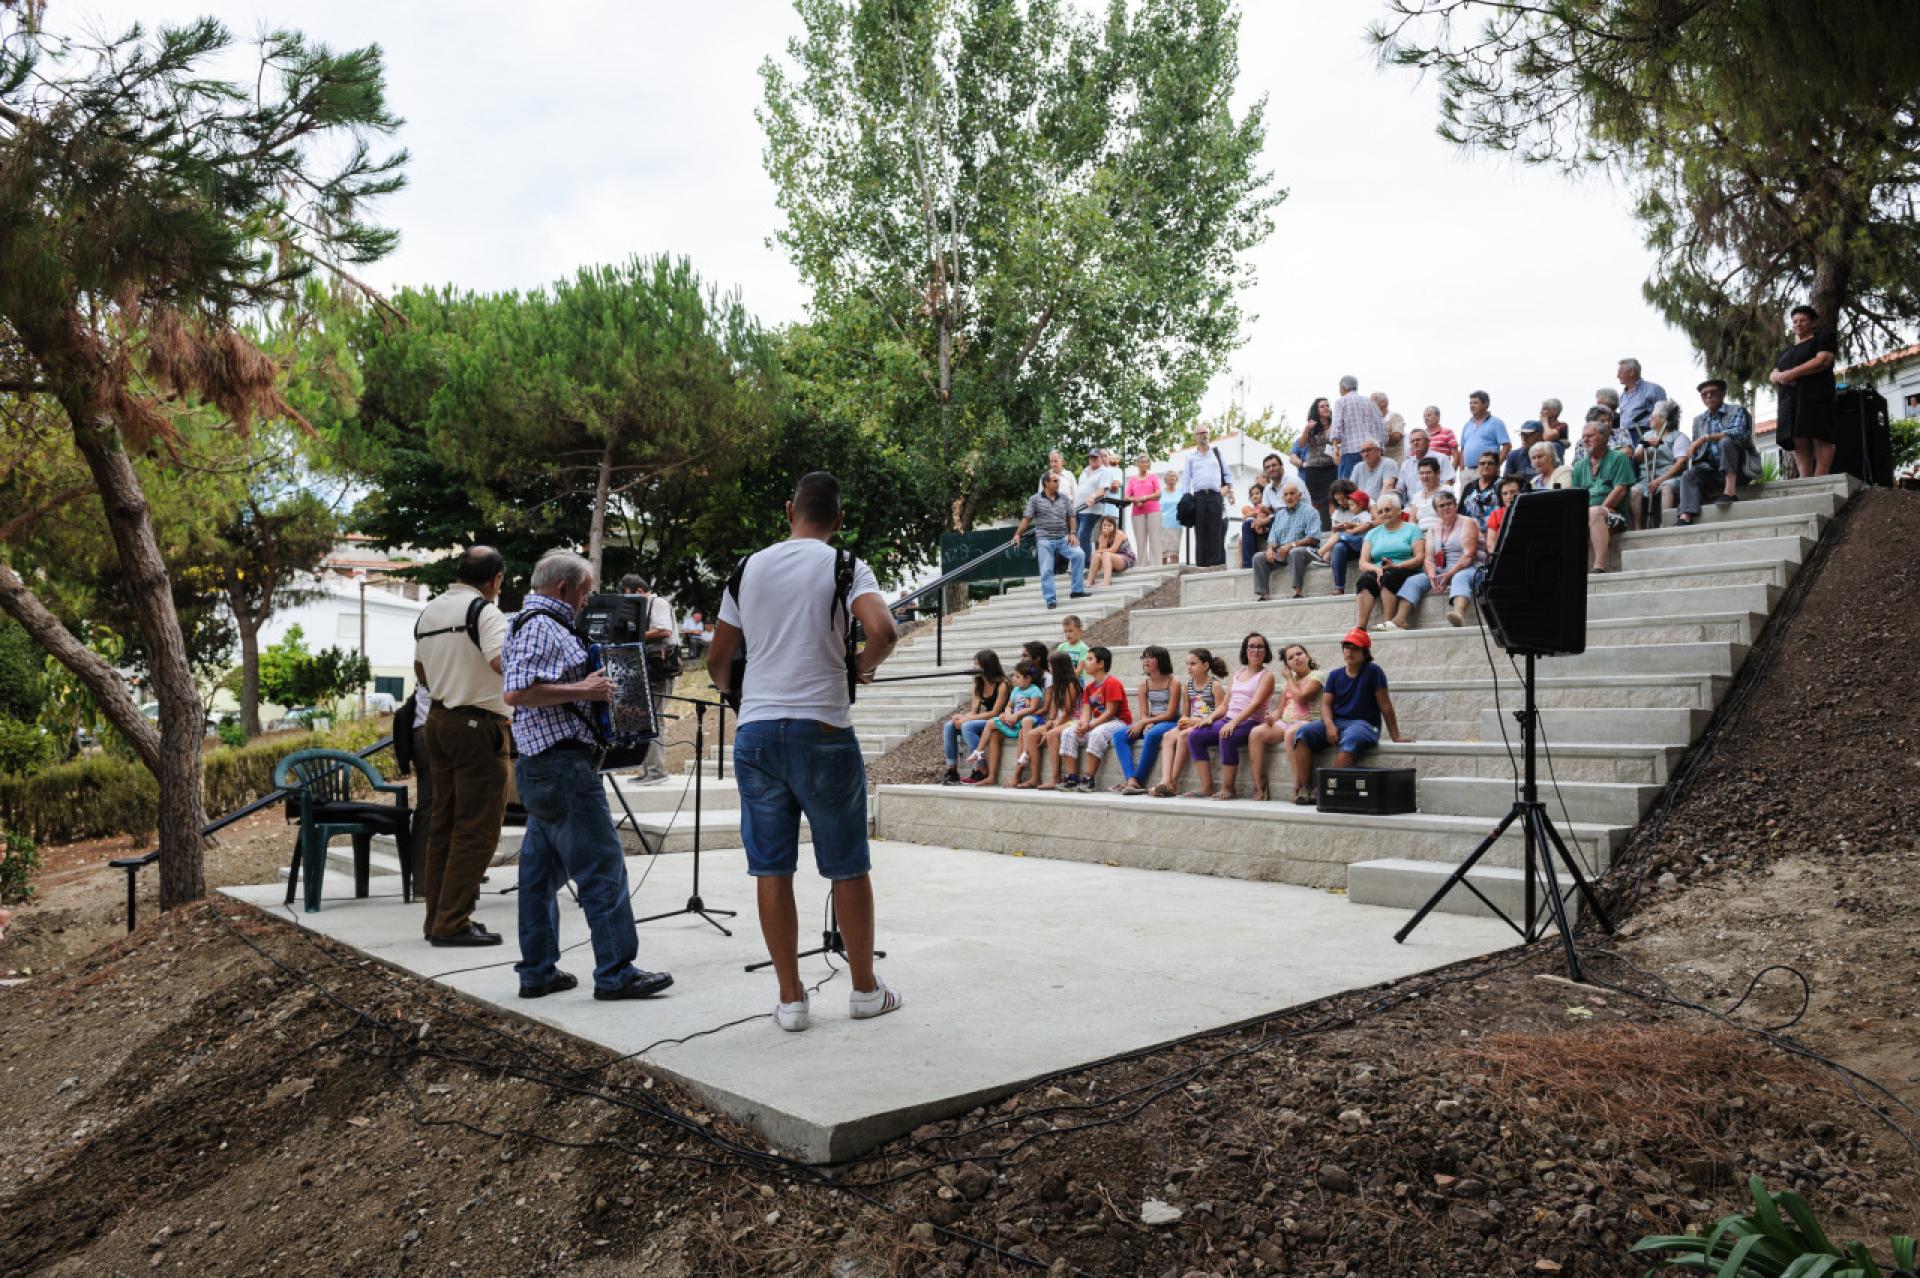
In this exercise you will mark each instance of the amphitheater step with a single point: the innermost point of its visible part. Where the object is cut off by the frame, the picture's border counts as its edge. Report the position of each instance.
(1276, 842)
(1792, 548)
(675, 792)
(1200, 589)
(1400, 883)
(1826, 503)
(1640, 725)
(1602, 803)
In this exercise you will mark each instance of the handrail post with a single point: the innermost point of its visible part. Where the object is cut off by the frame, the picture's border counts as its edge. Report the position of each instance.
(719, 749)
(939, 627)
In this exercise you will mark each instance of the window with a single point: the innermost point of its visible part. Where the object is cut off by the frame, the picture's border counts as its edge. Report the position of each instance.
(394, 686)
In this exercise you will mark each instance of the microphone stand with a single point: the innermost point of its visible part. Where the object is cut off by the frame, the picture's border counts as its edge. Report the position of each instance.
(694, 905)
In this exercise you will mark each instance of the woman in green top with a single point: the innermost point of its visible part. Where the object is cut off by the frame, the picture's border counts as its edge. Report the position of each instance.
(1395, 550)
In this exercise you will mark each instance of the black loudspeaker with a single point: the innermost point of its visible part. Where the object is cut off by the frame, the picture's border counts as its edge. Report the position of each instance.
(1863, 435)
(1534, 593)
(1366, 791)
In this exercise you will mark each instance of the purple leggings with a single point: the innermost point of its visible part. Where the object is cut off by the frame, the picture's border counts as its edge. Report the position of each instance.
(1202, 740)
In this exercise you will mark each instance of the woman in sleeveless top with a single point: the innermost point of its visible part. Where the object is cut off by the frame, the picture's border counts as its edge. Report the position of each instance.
(1204, 693)
(1299, 703)
(1162, 701)
(1456, 554)
(1229, 729)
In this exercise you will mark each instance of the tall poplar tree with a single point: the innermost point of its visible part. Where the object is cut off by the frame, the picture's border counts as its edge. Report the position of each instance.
(1040, 215)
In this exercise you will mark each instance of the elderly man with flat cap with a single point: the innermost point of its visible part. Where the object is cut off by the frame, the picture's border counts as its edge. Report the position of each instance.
(1722, 456)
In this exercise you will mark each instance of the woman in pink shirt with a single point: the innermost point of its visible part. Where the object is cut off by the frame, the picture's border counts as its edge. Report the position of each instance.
(1144, 490)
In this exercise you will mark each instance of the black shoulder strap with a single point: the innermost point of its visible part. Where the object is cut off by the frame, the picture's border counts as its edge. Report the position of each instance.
(843, 586)
(471, 625)
(734, 578)
(1222, 462)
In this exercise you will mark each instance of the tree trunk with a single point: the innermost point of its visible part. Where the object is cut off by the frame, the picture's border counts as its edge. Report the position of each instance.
(1832, 278)
(597, 524)
(249, 627)
(182, 729)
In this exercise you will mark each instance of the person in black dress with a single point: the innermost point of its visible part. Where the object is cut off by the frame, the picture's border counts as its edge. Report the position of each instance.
(1804, 377)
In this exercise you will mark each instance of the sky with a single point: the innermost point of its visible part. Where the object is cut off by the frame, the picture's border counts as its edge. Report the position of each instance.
(544, 138)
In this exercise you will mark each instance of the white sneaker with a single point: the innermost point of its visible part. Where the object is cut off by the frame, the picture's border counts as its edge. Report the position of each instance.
(792, 1017)
(878, 1001)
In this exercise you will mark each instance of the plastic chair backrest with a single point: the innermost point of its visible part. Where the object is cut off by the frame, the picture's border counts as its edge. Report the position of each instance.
(322, 775)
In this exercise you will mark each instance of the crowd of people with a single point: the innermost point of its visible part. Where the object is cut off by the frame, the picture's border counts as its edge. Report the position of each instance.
(1065, 706)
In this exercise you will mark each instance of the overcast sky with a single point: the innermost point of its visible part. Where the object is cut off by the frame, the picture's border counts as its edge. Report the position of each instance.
(546, 137)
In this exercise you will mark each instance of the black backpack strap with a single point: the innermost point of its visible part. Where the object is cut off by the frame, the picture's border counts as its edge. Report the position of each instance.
(843, 562)
(475, 606)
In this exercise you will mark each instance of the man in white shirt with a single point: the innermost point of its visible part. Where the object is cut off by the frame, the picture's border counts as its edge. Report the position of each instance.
(794, 752)
(659, 639)
(1375, 474)
(456, 653)
(1417, 448)
(1204, 474)
(1057, 465)
(1101, 480)
(1396, 430)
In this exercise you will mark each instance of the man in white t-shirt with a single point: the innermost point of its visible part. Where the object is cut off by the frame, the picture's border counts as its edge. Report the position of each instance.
(789, 608)
(1057, 465)
(659, 638)
(1101, 479)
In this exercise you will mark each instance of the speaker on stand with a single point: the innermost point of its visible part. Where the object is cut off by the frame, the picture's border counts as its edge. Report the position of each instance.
(1863, 435)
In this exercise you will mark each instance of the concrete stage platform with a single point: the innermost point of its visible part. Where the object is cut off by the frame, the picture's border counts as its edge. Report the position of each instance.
(1012, 967)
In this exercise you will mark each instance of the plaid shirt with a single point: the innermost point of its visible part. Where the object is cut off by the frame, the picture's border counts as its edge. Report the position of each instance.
(1302, 523)
(542, 652)
(1356, 419)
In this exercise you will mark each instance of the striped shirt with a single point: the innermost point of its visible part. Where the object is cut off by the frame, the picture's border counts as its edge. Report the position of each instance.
(539, 650)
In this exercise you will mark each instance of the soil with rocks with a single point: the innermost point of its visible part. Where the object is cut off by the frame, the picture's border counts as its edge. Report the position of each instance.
(922, 756)
(220, 1092)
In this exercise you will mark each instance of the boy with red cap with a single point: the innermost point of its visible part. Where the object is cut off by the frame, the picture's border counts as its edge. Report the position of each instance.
(1351, 708)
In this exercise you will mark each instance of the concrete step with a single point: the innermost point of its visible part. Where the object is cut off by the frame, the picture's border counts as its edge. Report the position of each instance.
(666, 832)
(1603, 803)
(1665, 725)
(675, 792)
(1794, 549)
(1403, 884)
(1276, 842)
(1178, 625)
(1824, 502)
(1200, 589)
(383, 858)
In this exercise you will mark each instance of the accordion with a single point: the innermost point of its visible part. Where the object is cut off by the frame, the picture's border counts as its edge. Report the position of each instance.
(629, 723)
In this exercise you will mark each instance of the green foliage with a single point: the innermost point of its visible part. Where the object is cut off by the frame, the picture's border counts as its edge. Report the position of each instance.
(1022, 224)
(101, 796)
(19, 858)
(25, 747)
(1906, 442)
(1779, 1238)
(292, 676)
(1752, 201)
(23, 688)
(1770, 471)
(231, 734)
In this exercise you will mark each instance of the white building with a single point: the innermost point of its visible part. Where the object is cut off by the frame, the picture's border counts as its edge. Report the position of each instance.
(334, 617)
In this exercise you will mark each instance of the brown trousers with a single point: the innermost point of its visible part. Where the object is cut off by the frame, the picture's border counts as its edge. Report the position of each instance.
(467, 752)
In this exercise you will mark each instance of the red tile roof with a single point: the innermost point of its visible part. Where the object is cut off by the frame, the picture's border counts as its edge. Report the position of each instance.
(1891, 357)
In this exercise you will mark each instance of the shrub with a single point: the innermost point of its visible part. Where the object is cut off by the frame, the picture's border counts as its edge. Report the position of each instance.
(102, 796)
(19, 858)
(1778, 1238)
(24, 747)
(231, 734)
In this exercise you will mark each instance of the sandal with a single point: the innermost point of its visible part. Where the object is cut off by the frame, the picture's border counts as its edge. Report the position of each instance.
(1221, 795)
(1260, 794)
(1050, 785)
(1161, 791)
(1196, 794)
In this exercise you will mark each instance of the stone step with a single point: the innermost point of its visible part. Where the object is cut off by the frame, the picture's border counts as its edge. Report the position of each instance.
(1172, 626)
(1275, 842)
(1793, 549)
(670, 833)
(1825, 502)
(675, 792)
(1200, 589)
(1595, 726)
(1404, 884)
(1603, 803)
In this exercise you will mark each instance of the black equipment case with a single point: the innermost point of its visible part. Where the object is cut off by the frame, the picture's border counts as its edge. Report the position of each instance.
(1366, 791)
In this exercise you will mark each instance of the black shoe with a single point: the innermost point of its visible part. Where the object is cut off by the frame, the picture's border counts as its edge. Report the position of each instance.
(1052, 604)
(1080, 594)
(952, 777)
(645, 985)
(474, 935)
(560, 984)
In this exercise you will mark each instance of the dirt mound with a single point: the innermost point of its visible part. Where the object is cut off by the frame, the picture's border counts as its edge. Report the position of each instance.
(221, 1092)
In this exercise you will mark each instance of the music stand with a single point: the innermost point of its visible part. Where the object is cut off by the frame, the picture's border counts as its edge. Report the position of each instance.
(694, 905)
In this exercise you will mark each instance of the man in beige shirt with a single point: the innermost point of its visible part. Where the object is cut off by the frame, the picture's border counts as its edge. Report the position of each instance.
(456, 653)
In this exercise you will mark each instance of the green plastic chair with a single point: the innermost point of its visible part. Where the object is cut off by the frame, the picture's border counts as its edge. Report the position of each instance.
(322, 800)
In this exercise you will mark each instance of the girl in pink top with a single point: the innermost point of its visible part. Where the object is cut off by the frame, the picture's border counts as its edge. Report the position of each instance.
(1144, 488)
(1299, 703)
(1246, 709)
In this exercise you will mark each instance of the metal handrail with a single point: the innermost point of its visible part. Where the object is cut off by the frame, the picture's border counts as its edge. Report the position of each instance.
(134, 864)
(941, 582)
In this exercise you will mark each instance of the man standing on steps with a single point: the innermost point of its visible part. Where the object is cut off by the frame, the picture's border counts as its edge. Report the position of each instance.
(1050, 511)
(1204, 476)
(456, 653)
(792, 606)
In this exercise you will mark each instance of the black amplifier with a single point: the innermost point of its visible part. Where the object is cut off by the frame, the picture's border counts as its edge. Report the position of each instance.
(1366, 791)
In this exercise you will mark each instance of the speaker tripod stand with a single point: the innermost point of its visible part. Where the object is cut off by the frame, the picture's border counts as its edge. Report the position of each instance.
(1543, 844)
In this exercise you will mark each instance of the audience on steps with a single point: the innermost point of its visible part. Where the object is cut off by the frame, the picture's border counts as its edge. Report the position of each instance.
(1296, 704)
(1162, 701)
(990, 690)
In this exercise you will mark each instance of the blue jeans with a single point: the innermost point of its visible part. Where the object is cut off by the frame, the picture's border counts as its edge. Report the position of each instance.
(1149, 751)
(1347, 462)
(1415, 588)
(1346, 548)
(1076, 561)
(1087, 527)
(968, 732)
(570, 834)
(786, 767)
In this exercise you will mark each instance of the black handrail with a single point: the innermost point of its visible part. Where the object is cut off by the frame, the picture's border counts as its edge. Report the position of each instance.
(940, 584)
(134, 864)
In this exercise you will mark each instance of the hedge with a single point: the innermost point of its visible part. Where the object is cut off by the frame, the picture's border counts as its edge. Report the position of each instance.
(100, 797)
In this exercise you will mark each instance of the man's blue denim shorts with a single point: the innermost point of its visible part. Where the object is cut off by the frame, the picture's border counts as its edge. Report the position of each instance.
(1356, 735)
(789, 767)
